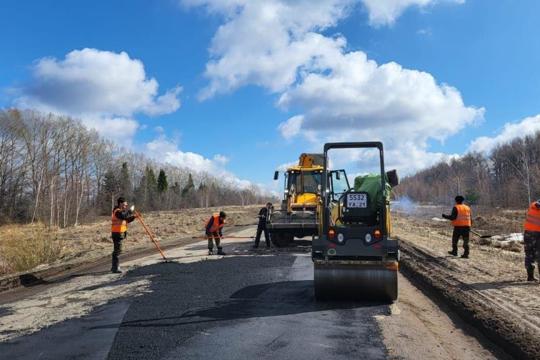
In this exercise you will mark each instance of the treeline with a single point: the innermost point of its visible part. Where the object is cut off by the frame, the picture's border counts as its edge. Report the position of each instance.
(56, 171)
(509, 176)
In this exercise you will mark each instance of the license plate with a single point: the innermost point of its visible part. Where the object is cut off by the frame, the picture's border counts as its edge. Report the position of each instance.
(357, 201)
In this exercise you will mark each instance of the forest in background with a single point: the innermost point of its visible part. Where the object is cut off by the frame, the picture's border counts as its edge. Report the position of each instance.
(56, 171)
(508, 177)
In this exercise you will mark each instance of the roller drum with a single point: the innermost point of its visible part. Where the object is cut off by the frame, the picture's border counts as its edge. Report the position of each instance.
(355, 282)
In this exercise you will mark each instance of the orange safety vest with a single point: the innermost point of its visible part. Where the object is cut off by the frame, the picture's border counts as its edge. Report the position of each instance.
(463, 216)
(532, 223)
(215, 224)
(118, 225)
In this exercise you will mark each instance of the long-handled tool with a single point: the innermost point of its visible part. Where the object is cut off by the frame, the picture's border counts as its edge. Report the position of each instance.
(480, 235)
(225, 237)
(149, 233)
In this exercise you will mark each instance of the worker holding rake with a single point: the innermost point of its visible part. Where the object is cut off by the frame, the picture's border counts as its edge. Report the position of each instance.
(214, 233)
(121, 216)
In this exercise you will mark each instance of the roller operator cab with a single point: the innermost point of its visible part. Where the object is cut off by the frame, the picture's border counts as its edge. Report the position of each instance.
(354, 254)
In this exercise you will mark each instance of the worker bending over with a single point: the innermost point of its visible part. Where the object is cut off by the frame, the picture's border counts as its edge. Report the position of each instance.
(214, 232)
(531, 239)
(121, 216)
(461, 220)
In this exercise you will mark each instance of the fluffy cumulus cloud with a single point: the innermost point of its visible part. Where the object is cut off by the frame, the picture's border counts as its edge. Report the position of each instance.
(105, 89)
(341, 94)
(165, 149)
(266, 42)
(385, 12)
(357, 99)
(510, 131)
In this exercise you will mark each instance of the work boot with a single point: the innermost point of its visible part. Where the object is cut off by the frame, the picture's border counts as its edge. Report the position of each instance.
(210, 252)
(220, 251)
(453, 252)
(116, 271)
(530, 273)
(465, 256)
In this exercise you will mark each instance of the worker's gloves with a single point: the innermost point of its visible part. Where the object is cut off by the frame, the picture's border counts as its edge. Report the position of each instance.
(132, 208)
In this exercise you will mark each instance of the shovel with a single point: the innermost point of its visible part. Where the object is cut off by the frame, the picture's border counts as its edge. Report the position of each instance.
(480, 235)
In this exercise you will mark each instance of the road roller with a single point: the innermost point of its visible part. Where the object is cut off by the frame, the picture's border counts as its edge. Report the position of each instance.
(354, 255)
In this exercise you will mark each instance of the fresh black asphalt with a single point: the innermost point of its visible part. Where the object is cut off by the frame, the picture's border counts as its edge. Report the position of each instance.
(243, 306)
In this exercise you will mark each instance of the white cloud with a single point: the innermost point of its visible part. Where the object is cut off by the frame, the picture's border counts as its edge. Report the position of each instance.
(510, 131)
(385, 12)
(118, 129)
(355, 99)
(167, 150)
(344, 95)
(266, 42)
(104, 89)
(291, 127)
(356, 94)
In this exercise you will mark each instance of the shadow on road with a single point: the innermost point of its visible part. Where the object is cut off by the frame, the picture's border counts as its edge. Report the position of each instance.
(188, 299)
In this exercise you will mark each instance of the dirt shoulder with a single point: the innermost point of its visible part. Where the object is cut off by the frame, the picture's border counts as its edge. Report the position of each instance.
(488, 289)
(87, 243)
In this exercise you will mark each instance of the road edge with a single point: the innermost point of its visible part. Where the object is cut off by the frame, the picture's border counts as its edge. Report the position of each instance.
(36, 277)
(432, 272)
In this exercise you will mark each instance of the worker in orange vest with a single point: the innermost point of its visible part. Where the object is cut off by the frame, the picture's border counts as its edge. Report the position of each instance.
(531, 239)
(462, 221)
(120, 217)
(214, 227)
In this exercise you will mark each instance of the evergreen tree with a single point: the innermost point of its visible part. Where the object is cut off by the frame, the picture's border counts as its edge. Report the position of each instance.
(126, 188)
(141, 193)
(111, 189)
(162, 184)
(151, 188)
(151, 182)
(189, 186)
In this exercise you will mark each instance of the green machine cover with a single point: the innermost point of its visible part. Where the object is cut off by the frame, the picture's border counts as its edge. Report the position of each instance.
(371, 184)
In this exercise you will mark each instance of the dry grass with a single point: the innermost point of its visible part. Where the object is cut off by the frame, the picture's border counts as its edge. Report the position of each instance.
(25, 247)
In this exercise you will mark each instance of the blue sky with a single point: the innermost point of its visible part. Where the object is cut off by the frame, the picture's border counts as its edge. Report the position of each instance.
(242, 87)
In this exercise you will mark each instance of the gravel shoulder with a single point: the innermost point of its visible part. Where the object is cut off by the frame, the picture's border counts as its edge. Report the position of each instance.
(488, 289)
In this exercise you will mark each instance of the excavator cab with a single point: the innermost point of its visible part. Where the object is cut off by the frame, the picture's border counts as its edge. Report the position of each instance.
(299, 212)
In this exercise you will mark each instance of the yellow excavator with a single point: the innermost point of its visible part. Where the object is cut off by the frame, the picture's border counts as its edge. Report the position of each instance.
(298, 215)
